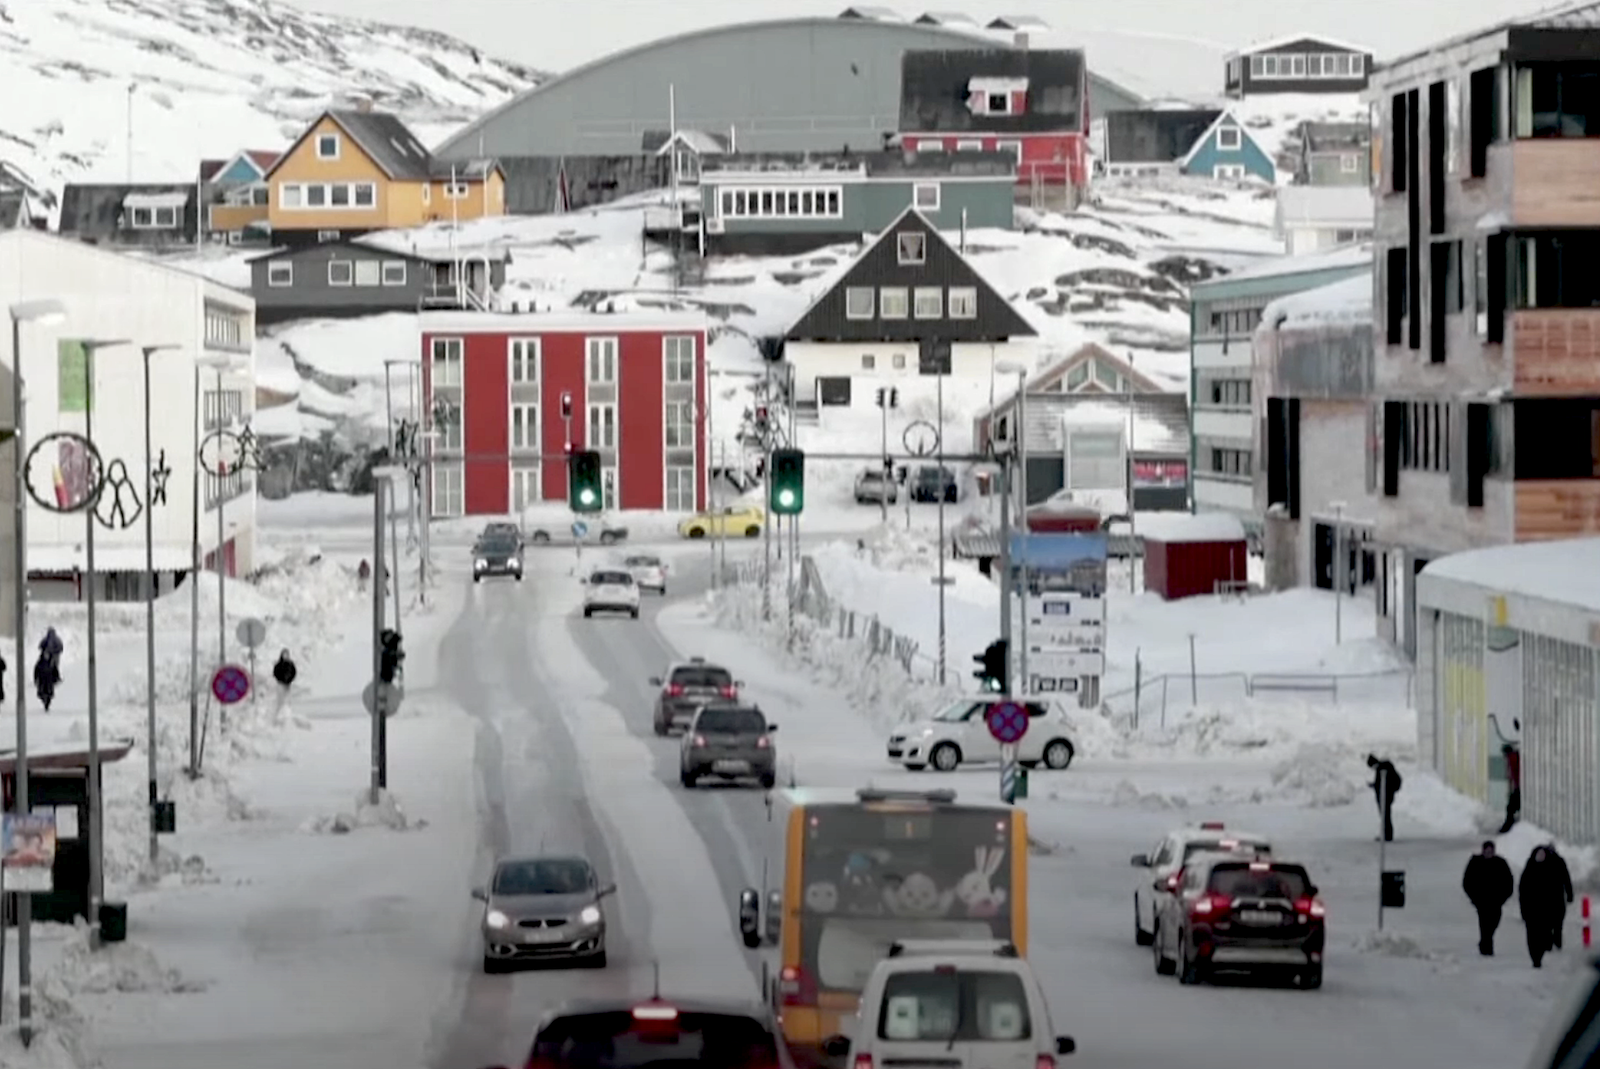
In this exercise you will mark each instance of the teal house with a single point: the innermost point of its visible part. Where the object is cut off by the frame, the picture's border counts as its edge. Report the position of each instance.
(772, 204)
(1226, 150)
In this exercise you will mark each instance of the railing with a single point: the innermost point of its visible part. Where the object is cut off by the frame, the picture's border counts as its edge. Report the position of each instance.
(1153, 695)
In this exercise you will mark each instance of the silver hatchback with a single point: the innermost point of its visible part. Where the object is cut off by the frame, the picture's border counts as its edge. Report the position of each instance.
(537, 908)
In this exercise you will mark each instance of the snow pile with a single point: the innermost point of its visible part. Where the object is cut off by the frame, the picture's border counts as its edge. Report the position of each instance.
(1518, 843)
(60, 1039)
(1392, 944)
(1280, 730)
(115, 968)
(385, 813)
(1126, 795)
(1322, 775)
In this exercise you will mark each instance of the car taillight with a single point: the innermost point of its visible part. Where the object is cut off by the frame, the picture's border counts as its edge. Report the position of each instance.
(795, 987)
(729, 691)
(1044, 1061)
(762, 743)
(1211, 905)
(863, 1061)
(674, 690)
(1311, 907)
(699, 740)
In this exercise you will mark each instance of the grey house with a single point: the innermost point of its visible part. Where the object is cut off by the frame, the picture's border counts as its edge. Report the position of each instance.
(361, 277)
(1152, 141)
(548, 185)
(1298, 64)
(1334, 154)
(147, 216)
(14, 211)
(779, 204)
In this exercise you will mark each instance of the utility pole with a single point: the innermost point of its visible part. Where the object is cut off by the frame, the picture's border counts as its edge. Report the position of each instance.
(766, 479)
(884, 396)
(711, 478)
(376, 786)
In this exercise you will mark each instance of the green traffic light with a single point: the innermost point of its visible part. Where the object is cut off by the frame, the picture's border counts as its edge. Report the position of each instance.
(586, 496)
(786, 498)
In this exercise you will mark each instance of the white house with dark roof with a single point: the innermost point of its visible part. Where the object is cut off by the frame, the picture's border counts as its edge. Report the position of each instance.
(1299, 63)
(1312, 218)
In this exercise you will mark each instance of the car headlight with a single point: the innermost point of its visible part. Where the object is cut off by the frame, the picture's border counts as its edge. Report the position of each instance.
(480, 563)
(927, 733)
(590, 915)
(495, 919)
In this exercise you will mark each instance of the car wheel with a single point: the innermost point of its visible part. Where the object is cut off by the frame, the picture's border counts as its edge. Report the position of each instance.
(477, 579)
(697, 532)
(1140, 936)
(606, 538)
(493, 966)
(752, 531)
(769, 781)
(1165, 966)
(596, 961)
(661, 729)
(518, 577)
(687, 779)
(1058, 754)
(540, 537)
(587, 612)
(945, 757)
(634, 614)
(1311, 978)
(1188, 968)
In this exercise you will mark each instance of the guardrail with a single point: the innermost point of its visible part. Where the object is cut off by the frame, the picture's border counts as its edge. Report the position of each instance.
(1152, 695)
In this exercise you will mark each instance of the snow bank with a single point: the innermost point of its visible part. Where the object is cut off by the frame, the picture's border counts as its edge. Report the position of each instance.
(385, 813)
(116, 968)
(60, 1039)
(1518, 843)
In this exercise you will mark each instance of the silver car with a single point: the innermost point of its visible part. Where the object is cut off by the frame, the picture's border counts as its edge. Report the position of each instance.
(874, 487)
(538, 908)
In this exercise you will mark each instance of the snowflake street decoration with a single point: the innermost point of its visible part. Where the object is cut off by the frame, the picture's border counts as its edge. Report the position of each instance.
(159, 474)
(249, 449)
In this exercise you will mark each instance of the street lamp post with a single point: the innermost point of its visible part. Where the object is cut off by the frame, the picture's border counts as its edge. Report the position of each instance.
(98, 877)
(218, 364)
(1020, 453)
(41, 312)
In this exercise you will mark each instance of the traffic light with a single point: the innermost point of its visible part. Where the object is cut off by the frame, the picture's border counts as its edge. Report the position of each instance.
(788, 479)
(888, 397)
(584, 492)
(566, 405)
(996, 670)
(390, 655)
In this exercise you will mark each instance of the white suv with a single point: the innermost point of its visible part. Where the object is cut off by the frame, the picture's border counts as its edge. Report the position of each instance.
(959, 734)
(1157, 882)
(611, 589)
(958, 1003)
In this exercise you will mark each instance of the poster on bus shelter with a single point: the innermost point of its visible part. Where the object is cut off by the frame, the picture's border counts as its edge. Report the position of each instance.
(28, 851)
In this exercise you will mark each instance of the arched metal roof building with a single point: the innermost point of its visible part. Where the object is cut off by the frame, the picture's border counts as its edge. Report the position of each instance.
(805, 84)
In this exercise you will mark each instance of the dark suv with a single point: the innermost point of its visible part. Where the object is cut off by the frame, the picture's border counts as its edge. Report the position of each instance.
(658, 1034)
(728, 741)
(686, 686)
(1232, 913)
(497, 554)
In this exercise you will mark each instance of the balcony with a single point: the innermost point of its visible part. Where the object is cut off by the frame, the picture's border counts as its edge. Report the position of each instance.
(1556, 352)
(1553, 182)
(224, 218)
(1557, 508)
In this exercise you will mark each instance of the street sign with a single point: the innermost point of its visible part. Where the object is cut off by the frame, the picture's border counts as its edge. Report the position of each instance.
(387, 698)
(1045, 661)
(579, 529)
(1007, 721)
(921, 438)
(1038, 684)
(230, 684)
(251, 632)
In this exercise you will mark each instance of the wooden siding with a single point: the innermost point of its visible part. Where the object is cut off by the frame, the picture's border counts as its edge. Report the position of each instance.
(1555, 182)
(228, 217)
(1556, 352)
(1550, 509)
(353, 165)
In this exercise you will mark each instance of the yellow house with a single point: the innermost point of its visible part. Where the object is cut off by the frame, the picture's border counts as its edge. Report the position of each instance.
(353, 172)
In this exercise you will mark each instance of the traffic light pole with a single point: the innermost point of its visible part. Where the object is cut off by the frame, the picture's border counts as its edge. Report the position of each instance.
(1005, 551)
(379, 741)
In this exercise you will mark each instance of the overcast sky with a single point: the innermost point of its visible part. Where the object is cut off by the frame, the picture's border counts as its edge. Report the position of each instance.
(559, 34)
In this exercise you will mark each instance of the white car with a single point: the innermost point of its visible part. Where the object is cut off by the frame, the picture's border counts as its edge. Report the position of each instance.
(959, 734)
(1161, 867)
(610, 590)
(966, 1004)
(649, 572)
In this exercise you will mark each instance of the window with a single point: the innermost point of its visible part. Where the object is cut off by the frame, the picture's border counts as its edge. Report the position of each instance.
(327, 235)
(290, 196)
(1228, 139)
(997, 103)
(602, 427)
(524, 354)
(327, 146)
(1397, 294)
(394, 272)
(524, 488)
(1425, 436)
(316, 195)
(804, 202)
(963, 302)
(1232, 462)
(338, 195)
(280, 274)
(1231, 393)
(858, 302)
(1480, 286)
(1258, 66)
(447, 496)
(340, 272)
(680, 490)
(1298, 66)
(969, 146)
(602, 362)
(893, 302)
(224, 328)
(364, 194)
(680, 425)
(898, 361)
(912, 247)
(1269, 66)
(930, 146)
(608, 487)
(969, 1006)
(456, 191)
(450, 436)
(929, 302)
(1350, 163)
(525, 426)
(1483, 106)
(1558, 100)
(925, 195)
(1399, 141)
(1013, 147)
(446, 361)
(869, 362)
(679, 352)
(1228, 170)
(1106, 376)
(367, 273)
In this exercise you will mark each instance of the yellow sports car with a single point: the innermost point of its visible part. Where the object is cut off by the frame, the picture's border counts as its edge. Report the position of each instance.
(735, 521)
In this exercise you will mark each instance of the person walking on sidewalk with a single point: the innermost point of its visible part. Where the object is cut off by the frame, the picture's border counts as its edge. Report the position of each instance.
(1538, 894)
(1563, 876)
(1488, 884)
(1513, 757)
(1386, 782)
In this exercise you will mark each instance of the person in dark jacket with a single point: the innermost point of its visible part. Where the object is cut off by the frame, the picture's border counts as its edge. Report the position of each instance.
(1488, 884)
(1563, 876)
(1386, 783)
(3, 667)
(1513, 758)
(284, 671)
(1538, 893)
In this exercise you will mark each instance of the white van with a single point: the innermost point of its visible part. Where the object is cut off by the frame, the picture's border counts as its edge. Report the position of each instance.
(973, 1004)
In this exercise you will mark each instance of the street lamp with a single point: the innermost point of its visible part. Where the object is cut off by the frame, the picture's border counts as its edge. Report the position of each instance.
(1019, 447)
(218, 364)
(45, 312)
(149, 649)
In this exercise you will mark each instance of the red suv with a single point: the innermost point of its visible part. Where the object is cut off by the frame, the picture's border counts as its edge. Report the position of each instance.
(1234, 914)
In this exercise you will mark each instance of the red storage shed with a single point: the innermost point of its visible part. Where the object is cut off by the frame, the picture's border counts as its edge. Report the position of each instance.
(1186, 555)
(1062, 517)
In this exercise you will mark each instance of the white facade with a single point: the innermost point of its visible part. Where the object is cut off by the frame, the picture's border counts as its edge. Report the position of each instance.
(1312, 219)
(1223, 425)
(869, 365)
(113, 297)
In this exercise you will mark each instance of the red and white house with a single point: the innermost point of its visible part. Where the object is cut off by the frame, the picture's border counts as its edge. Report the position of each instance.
(494, 384)
(1031, 103)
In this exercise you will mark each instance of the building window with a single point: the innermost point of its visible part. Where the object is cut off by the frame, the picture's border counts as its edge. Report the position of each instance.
(1228, 170)
(1350, 164)
(969, 146)
(679, 353)
(446, 362)
(608, 487)
(153, 218)
(364, 194)
(327, 195)
(893, 302)
(1013, 147)
(963, 302)
(524, 487)
(602, 427)
(602, 361)
(1228, 139)
(898, 361)
(912, 247)
(328, 235)
(680, 490)
(280, 274)
(1258, 66)
(858, 302)
(1480, 286)
(680, 425)
(1232, 462)
(450, 436)
(930, 146)
(340, 272)
(1425, 436)
(524, 354)
(525, 426)
(1556, 270)
(224, 329)
(930, 302)
(869, 362)
(367, 273)
(803, 202)
(1230, 393)
(394, 272)
(1397, 293)
(456, 191)
(447, 491)
(327, 146)
(1558, 100)
(925, 195)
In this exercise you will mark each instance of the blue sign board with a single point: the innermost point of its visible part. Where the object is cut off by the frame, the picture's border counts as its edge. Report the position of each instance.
(579, 528)
(1073, 563)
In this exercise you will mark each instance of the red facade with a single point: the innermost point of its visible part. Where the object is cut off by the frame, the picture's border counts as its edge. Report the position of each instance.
(633, 385)
(1056, 159)
(1189, 569)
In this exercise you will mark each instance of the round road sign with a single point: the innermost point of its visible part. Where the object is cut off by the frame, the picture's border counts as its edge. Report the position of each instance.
(579, 529)
(230, 684)
(251, 632)
(921, 438)
(1008, 721)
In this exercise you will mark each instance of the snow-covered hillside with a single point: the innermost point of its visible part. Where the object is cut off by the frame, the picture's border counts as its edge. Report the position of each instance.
(211, 77)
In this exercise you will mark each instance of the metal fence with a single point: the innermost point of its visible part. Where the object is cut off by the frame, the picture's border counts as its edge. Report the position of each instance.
(1150, 697)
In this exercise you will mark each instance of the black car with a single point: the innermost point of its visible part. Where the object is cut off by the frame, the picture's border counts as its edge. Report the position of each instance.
(499, 554)
(659, 1033)
(1237, 914)
(930, 482)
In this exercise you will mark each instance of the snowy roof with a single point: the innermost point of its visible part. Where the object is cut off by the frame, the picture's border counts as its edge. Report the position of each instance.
(1577, 15)
(1346, 256)
(1178, 528)
(566, 319)
(1280, 42)
(1346, 301)
(1335, 207)
(1566, 571)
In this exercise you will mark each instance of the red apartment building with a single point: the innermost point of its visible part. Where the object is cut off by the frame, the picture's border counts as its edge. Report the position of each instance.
(494, 387)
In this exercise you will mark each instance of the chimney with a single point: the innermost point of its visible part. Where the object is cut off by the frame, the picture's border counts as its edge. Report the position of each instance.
(1020, 39)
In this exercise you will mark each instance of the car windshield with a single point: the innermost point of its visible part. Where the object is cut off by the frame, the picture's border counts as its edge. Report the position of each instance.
(954, 1004)
(643, 562)
(611, 579)
(617, 1040)
(1248, 881)
(548, 877)
(702, 676)
(497, 544)
(872, 476)
(954, 713)
(732, 721)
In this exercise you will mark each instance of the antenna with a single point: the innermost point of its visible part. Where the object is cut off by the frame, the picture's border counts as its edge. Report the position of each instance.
(655, 983)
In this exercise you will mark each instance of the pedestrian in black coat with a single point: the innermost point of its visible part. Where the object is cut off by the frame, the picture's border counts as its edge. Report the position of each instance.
(1488, 884)
(1386, 783)
(3, 667)
(1563, 874)
(1538, 893)
(284, 670)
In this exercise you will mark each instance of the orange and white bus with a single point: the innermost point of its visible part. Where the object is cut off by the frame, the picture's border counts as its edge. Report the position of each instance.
(854, 871)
